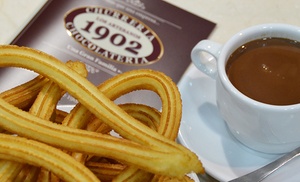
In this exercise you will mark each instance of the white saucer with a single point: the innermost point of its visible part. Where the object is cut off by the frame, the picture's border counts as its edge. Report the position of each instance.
(204, 132)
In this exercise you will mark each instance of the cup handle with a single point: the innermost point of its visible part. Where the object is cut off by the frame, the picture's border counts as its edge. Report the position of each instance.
(205, 55)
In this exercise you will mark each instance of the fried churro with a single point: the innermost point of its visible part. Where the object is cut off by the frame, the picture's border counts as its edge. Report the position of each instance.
(9, 170)
(24, 95)
(141, 147)
(169, 121)
(44, 106)
(105, 171)
(23, 150)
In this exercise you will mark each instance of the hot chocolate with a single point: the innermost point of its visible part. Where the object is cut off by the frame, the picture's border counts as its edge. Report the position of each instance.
(267, 70)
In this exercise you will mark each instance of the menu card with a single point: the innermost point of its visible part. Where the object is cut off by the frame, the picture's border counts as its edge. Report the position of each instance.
(115, 36)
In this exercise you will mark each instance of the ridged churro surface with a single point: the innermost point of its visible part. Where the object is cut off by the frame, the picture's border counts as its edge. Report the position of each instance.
(145, 149)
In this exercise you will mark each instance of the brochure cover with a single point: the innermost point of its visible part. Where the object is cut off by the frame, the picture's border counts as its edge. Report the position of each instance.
(114, 36)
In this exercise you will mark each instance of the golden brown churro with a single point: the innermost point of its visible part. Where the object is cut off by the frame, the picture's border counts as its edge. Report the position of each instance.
(36, 109)
(9, 170)
(29, 173)
(105, 171)
(169, 120)
(141, 148)
(44, 105)
(23, 150)
(24, 95)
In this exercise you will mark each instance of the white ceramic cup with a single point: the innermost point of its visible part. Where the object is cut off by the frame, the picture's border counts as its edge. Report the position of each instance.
(262, 127)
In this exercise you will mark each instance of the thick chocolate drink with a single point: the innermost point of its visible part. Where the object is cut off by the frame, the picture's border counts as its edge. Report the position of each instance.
(267, 70)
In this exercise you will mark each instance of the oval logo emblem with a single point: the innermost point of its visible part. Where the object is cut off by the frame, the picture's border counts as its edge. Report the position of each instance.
(114, 35)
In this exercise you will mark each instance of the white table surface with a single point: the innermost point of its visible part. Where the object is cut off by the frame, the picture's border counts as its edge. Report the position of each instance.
(229, 15)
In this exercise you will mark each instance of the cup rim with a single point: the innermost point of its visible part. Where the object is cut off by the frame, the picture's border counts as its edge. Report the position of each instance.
(228, 49)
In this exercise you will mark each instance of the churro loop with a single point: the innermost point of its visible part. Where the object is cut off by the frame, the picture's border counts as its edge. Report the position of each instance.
(146, 80)
(145, 114)
(141, 80)
(171, 108)
(145, 145)
(156, 82)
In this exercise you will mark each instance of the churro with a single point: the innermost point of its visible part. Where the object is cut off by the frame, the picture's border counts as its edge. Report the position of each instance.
(44, 106)
(29, 173)
(24, 95)
(141, 147)
(9, 170)
(29, 151)
(171, 110)
(105, 171)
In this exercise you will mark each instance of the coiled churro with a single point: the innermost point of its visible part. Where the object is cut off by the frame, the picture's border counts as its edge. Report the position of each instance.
(140, 146)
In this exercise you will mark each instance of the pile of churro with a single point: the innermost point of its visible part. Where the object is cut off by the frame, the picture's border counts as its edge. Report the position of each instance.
(39, 142)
